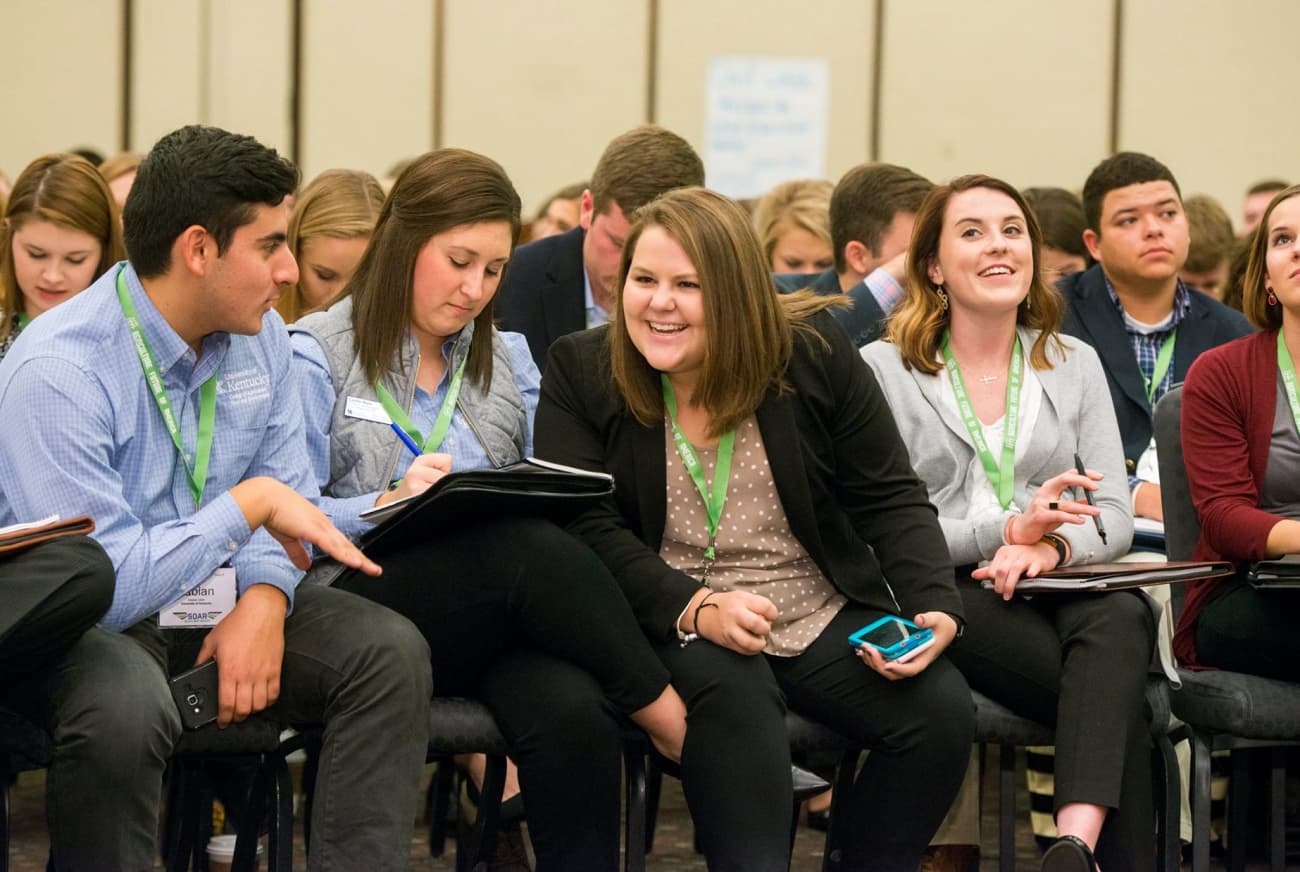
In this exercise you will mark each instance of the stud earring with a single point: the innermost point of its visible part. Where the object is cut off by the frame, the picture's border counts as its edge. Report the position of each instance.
(943, 298)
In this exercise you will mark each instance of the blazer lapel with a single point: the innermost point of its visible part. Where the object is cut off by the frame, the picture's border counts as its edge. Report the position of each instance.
(563, 299)
(649, 464)
(929, 387)
(1105, 327)
(785, 446)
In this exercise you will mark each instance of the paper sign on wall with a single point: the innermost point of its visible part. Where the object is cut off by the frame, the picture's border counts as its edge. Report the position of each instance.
(766, 123)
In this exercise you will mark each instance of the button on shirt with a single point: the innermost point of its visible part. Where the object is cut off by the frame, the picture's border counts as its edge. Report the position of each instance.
(82, 434)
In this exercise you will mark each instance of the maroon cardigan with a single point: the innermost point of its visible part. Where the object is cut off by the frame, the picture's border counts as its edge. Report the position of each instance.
(1229, 402)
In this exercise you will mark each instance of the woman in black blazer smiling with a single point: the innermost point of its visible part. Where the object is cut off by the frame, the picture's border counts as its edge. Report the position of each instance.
(814, 525)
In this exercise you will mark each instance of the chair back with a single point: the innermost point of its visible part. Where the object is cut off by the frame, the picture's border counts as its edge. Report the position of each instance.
(1182, 526)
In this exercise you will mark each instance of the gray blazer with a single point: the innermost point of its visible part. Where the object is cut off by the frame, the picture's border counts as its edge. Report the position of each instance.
(1076, 415)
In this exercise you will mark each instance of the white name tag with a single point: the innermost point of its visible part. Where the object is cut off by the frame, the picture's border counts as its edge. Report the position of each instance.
(205, 604)
(366, 410)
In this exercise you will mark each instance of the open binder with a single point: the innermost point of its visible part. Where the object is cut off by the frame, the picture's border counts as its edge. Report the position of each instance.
(20, 537)
(1280, 574)
(529, 487)
(1100, 577)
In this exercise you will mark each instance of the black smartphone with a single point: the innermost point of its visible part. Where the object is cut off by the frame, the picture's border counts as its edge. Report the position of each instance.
(195, 692)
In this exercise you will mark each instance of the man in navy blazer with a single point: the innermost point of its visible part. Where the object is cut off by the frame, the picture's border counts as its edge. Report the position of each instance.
(566, 283)
(873, 208)
(1146, 325)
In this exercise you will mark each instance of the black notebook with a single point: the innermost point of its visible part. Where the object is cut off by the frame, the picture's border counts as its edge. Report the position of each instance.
(1281, 573)
(1096, 577)
(529, 487)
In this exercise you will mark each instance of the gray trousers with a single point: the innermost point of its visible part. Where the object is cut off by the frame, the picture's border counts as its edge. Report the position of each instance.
(358, 669)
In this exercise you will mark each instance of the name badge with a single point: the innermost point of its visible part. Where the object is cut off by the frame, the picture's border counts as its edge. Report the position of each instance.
(366, 410)
(205, 604)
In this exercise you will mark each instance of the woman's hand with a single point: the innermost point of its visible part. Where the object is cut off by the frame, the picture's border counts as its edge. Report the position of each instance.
(1014, 562)
(944, 626)
(1049, 510)
(741, 621)
(419, 477)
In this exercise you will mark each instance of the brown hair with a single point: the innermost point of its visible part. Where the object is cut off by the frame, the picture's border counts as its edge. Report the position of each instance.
(749, 327)
(865, 201)
(1254, 293)
(917, 326)
(437, 192)
(120, 164)
(803, 203)
(641, 164)
(1211, 234)
(68, 191)
(338, 204)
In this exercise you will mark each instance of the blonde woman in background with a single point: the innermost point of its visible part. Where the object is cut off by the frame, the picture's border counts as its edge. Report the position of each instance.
(793, 221)
(331, 225)
(61, 230)
(119, 172)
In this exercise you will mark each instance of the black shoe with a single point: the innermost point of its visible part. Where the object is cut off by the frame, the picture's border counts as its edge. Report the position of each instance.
(820, 820)
(1068, 854)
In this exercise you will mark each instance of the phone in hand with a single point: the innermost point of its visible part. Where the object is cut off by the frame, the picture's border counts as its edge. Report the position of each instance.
(195, 693)
(897, 639)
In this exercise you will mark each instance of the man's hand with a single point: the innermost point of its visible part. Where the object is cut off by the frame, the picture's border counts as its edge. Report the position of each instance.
(249, 648)
(292, 520)
(423, 472)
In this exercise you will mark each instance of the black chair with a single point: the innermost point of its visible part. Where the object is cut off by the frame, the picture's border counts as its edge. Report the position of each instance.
(23, 746)
(1224, 710)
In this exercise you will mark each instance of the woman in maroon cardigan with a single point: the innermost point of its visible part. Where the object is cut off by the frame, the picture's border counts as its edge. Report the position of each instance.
(1242, 450)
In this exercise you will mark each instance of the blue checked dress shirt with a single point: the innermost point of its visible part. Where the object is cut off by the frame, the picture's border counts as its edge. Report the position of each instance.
(81, 435)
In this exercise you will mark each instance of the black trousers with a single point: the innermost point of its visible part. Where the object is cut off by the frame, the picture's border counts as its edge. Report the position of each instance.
(1253, 631)
(521, 615)
(1078, 663)
(49, 596)
(736, 762)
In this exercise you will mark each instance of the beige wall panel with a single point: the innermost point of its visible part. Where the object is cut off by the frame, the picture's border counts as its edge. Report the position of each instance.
(56, 101)
(167, 47)
(694, 32)
(543, 87)
(367, 83)
(1019, 89)
(249, 69)
(1208, 89)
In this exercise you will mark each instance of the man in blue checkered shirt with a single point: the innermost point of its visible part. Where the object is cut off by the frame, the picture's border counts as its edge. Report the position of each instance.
(1146, 325)
(161, 402)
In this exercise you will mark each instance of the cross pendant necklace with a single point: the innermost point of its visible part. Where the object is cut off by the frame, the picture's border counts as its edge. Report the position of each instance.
(986, 379)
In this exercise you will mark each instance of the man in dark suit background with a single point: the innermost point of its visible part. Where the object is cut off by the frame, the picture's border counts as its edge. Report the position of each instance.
(1146, 325)
(565, 283)
(872, 210)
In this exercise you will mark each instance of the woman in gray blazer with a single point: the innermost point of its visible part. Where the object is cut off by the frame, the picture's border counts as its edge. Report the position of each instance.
(994, 406)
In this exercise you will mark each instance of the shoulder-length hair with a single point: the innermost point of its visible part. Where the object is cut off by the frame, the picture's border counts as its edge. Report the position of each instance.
(917, 326)
(436, 192)
(68, 191)
(338, 204)
(798, 204)
(749, 327)
(1254, 295)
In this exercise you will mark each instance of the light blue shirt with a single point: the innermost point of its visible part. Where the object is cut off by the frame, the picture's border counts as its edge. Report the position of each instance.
(316, 389)
(596, 316)
(82, 435)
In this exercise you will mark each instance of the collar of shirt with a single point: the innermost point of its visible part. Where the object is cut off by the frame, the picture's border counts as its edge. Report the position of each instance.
(1182, 303)
(595, 314)
(167, 346)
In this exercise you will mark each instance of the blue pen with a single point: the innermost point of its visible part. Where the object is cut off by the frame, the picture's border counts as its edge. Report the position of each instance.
(406, 440)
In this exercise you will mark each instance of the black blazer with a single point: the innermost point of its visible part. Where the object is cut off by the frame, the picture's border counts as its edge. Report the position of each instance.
(1093, 317)
(864, 321)
(542, 294)
(839, 464)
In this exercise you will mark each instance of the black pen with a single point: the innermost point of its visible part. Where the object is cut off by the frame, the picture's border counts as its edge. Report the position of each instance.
(1087, 495)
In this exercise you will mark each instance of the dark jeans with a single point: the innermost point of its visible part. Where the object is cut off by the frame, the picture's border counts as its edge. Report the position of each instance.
(354, 667)
(1078, 663)
(1247, 630)
(736, 763)
(520, 614)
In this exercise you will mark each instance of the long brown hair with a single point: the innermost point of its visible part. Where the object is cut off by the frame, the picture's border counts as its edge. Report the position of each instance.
(438, 191)
(918, 323)
(1254, 293)
(749, 327)
(68, 191)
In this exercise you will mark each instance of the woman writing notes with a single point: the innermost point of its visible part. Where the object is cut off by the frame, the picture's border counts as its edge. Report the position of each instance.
(764, 510)
(507, 604)
(994, 406)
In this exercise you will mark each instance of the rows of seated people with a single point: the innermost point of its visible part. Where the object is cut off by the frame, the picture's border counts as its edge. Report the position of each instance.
(835, 405)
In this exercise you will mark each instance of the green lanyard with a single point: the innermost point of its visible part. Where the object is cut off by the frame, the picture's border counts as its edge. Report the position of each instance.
(23, 320)
(1163, 358)
(714, 495)
(197, 476)
(1003, 477)
(1287, 369)
(440, 424)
